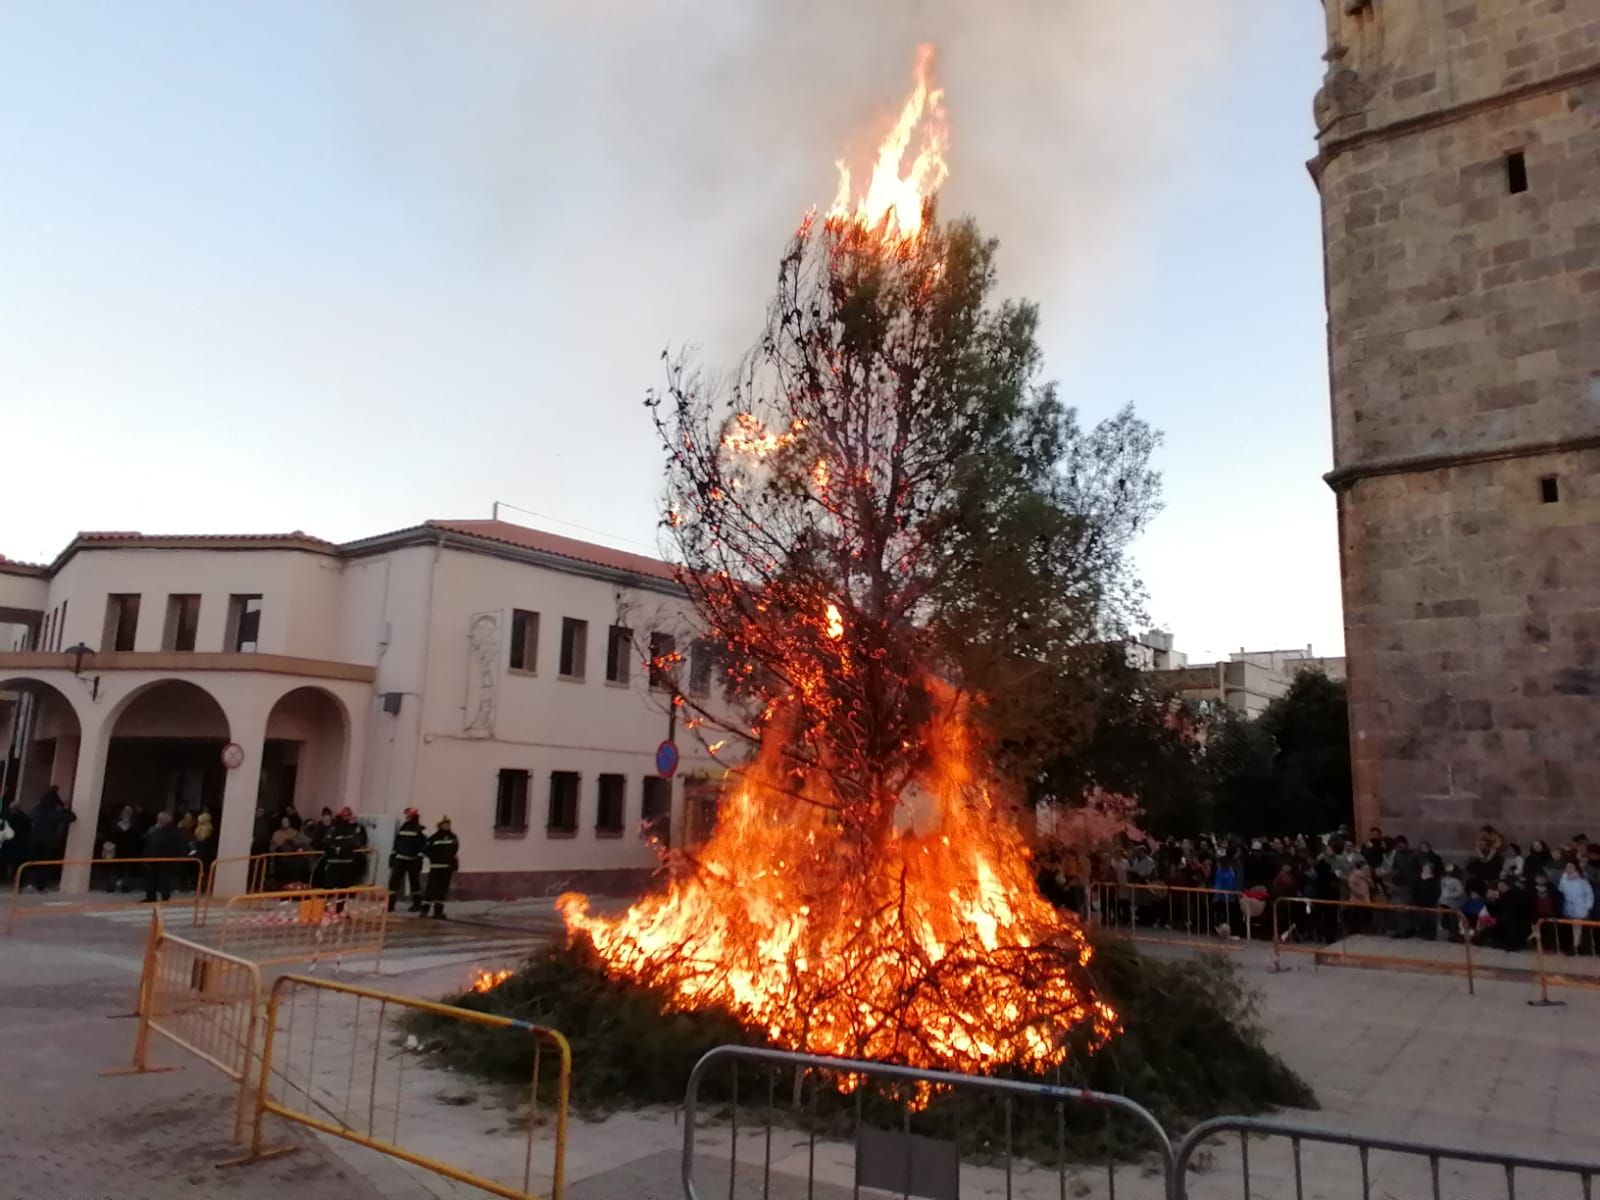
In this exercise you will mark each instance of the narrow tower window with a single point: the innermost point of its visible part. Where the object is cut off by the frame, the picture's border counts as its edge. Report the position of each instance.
(1549, 489)
(1516, 172)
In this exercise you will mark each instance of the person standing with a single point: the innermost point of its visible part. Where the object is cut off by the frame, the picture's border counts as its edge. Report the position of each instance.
(1577, 901)
(405, 860)
(15, 851)
(51, 820)
(164, 841)
(443, 849)
(339, 851)
(127, 844)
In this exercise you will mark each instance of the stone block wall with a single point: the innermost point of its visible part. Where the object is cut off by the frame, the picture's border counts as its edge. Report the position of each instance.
(1464, 346)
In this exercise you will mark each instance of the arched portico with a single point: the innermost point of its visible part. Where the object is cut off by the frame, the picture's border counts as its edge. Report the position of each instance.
(45, 735)
(305, 753)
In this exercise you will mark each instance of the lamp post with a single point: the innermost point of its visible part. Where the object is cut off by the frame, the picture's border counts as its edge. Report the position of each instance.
(77, 654)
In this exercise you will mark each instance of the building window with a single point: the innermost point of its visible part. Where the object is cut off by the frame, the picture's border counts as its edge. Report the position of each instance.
(524, 641)
(1549, 489)
(619, 649)
(656, 809)
(244, 624)
(663, 661)
(608, 821)
(702, 663)
(183, 622)
(122, 623)
(563, 820)
(511, 802)
(574, 647)
(1516, 172)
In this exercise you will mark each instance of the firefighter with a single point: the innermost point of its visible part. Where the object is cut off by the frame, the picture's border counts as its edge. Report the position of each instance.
(344, 838)
(405, 861)
(443, 850)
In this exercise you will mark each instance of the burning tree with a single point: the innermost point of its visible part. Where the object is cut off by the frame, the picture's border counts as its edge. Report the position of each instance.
(903, 542)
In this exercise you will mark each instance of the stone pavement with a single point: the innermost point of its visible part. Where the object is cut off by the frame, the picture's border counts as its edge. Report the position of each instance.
(66, 1132)
(1410, 1055)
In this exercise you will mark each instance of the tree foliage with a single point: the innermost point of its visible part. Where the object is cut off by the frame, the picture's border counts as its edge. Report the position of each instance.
(1289, 770)
(887, 493)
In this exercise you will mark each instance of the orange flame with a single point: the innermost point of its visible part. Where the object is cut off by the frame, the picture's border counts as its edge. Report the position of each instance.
(835, 625)
(487, 981)
(895, 199)
(934, 947)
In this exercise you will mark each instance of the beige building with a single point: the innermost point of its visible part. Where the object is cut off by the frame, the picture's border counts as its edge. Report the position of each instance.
(477, 669)
(1459, 169)
(1247, 682)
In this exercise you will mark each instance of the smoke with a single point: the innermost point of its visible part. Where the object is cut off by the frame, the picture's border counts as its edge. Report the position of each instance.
(651, 157)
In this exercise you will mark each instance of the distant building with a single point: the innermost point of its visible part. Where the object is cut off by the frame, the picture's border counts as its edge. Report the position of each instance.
(477, 669)
(1246, 682)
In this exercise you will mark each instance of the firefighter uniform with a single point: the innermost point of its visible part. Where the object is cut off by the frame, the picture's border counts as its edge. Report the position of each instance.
(443, 850)
(345, 837)
(405, 861)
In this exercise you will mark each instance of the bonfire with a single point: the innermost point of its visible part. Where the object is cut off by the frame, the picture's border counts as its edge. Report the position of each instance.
(865, 891)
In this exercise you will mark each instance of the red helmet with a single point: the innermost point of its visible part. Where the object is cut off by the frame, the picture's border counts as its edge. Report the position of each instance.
(347, 813)
(413, 815)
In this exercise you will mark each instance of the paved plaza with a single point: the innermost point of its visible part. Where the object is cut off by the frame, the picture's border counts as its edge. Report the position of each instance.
(1402, 1054)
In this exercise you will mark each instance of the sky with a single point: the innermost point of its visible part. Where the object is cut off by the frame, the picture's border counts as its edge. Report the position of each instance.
(343, 266)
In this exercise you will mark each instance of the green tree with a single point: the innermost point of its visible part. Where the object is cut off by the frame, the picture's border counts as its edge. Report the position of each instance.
(888, 500)
(1140, 743)
(1289, 770)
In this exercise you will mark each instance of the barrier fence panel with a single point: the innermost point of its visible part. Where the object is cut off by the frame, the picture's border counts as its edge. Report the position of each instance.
(1568, 955)
(1163, 912)
(1352, 931)
(306, 924)
(175, 876)
(819, 1127)
(345, 1060)
(1274, 1158)
(202, 1000)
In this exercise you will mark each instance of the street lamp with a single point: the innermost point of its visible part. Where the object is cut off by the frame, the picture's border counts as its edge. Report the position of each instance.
(78, 653)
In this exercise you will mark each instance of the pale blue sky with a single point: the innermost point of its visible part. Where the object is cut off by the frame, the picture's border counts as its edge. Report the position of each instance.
(343, 266)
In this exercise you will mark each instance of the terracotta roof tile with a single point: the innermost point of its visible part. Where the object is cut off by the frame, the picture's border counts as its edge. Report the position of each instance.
(565, 547)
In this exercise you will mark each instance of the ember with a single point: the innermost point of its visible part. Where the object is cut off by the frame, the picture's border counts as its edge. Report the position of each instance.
(485, 981)
(864, 892)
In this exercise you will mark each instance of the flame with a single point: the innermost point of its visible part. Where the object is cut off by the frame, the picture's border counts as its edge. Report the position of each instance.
(895, 201)
(933, 947)
(749, 436)
(835, 625)
(487, 981)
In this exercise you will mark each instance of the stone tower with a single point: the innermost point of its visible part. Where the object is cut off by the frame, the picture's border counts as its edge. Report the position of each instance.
(1459, 167)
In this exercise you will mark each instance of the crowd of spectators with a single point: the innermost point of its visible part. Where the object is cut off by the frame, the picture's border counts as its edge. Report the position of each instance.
(1384, 885)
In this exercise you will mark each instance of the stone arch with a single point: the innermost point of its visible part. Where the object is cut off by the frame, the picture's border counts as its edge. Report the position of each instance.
(54, 723)
(305, 752)
(164, 751)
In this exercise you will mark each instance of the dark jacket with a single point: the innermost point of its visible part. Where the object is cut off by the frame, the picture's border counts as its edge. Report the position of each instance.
(409, 841)
(443, 849)
(129, 842)
(165, 841)
(344, 838)
(1425, 893)
(50, 821)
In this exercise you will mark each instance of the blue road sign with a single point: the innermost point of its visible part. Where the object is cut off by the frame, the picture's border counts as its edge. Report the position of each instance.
(667, 759)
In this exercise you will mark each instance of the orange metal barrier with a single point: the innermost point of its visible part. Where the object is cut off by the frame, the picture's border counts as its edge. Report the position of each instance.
(1324, 928)
(40, 867)
(1566, 940)
(334, 1060)
(306, 924)
(1161, 912)
(266, 872)
(202, 1000)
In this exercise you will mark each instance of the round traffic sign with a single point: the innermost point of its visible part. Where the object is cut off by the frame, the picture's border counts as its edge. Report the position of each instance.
(666, 759)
